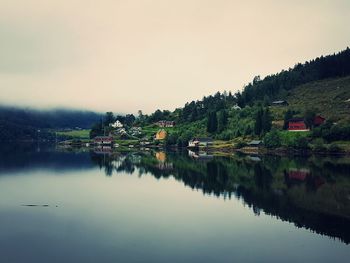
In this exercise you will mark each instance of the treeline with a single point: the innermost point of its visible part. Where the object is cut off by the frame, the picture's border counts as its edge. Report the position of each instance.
(25, 124)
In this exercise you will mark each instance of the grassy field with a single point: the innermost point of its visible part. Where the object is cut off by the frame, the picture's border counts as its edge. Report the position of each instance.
(329, 98)
(76, 134)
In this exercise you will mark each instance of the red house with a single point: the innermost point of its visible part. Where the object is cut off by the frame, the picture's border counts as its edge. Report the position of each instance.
(297, 125)
(319, 120)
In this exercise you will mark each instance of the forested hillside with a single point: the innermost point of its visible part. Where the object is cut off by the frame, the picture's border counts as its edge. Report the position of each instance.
(23, 124)
(319, 86)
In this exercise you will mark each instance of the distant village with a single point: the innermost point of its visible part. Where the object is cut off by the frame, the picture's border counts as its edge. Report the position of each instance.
(118, 129)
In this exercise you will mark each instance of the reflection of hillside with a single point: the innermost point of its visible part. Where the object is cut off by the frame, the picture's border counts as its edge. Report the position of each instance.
(307, 193)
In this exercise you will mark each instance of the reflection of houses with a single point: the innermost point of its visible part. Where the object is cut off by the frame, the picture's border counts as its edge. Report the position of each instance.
(200, 155)
(166, 123)
(254, 158)
(203, 142)
(103, 150)
(304, 175)
(252, 147)
(161, 156)
(165, 166)
(103, 140)
(161, 135)
(162, 164)
(298, 174)
(280, 103)
(297, 124)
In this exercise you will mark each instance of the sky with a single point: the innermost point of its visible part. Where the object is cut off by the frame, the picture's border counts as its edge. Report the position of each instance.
(130, 55)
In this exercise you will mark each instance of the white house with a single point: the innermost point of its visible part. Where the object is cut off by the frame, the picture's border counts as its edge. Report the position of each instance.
(117, 124)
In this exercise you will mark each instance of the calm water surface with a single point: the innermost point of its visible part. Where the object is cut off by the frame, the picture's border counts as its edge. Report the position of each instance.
(89, 206)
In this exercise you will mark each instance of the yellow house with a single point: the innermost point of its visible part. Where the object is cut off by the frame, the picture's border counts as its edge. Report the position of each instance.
(161, 135)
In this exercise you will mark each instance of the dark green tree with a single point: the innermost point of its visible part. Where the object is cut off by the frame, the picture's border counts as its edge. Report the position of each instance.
(287, 116)
(109, 118)
(212, 124)
(258, 126)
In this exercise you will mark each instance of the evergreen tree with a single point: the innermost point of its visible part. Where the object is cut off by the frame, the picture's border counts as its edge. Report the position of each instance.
(109, 118)
(258, 122)
(212, 124)
(222, 120)
(287, 116)
(266, 121)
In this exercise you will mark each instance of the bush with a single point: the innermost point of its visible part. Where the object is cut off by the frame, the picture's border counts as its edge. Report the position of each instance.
(334, 148)
(301, 143)
(318, 145)
(272, 139)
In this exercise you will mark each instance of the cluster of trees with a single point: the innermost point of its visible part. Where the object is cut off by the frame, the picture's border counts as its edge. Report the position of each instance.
(263, 121)
(217, 121)
(331, 132)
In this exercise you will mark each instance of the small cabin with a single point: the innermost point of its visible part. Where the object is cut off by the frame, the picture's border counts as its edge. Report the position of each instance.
(103, 140)
(297, 125)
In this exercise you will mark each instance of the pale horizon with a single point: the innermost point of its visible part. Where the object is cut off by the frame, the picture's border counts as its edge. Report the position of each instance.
(125, 56)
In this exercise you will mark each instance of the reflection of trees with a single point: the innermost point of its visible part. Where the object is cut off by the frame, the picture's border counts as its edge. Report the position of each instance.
(264, 186)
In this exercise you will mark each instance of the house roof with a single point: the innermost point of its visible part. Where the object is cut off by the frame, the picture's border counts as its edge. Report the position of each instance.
(254, 142)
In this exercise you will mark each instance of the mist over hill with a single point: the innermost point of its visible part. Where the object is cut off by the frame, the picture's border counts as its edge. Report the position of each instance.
(23, 123)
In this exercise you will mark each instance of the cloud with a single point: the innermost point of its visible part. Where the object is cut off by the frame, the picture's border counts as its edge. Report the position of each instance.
(125, 55)
(34, 48)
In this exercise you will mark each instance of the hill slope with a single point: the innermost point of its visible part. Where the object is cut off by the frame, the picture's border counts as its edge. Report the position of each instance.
(328, 97)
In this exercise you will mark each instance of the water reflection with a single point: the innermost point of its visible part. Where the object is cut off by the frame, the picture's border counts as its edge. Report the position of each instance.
(313, 193)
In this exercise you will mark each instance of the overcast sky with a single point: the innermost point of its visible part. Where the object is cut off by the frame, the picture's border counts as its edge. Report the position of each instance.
(126, 55)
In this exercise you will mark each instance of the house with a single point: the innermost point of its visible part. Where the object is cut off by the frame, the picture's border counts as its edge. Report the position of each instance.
(166, 124)
(197, 142)
(255, 143)
(103, 140)
(297, 124)
(319, 120)
(280, 103)
(161, 134)
(116, 124)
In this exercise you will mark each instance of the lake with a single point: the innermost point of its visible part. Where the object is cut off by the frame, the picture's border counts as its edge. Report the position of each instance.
(60, 205)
